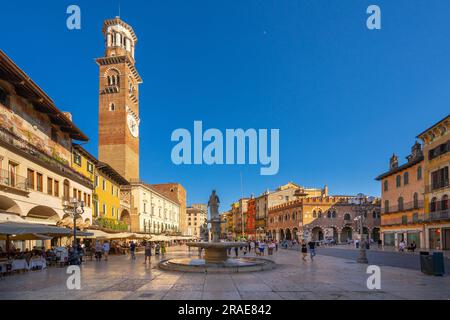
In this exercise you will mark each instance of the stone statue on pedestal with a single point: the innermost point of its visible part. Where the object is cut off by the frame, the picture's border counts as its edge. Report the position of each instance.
(204, 232)
(213, 205)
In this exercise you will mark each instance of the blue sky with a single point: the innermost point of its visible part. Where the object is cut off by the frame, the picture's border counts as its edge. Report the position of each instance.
(344, 97)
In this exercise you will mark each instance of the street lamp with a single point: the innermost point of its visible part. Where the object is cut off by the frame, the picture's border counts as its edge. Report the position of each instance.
(75, 209)
(361, 204)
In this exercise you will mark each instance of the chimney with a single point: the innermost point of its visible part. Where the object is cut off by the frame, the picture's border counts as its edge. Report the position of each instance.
(393, 163)
(68, 115)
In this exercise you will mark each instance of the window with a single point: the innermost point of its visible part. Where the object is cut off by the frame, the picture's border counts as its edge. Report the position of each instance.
(439, 178)
(386, 206)
(419, 173)
(79, 195)
(398, 180)
(404, 219)
(56, 188)
(96, 181)
(416, 200)
(54, 134)
(77, 159)
(405, 178)
(112, 107)
(400, 203)
(319, 215)
(88, 200)
(50, 186)
(386, 185)
(4, 98)
(314, 214)
(39, 182)
(104, 209)
(66, 189)
(90, 167)
(112, 211)
(415, 217)
(112, 189)
(104, 185)
(74, 195)
(30, 177)
(433, 204)
(444, 202)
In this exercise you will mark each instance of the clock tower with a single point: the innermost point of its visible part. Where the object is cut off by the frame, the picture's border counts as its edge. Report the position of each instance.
(118, 125)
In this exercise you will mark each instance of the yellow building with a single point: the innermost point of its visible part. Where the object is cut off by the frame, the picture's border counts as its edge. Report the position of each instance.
(436, 147)
(107, 206)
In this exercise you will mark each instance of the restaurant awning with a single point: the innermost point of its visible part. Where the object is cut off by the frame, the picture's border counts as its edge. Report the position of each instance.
(17, 228)
(27, 236)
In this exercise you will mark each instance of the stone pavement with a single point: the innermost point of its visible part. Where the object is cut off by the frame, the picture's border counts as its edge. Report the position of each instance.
(324, 278)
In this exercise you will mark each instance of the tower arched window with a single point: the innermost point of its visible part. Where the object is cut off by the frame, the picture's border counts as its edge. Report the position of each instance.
(314, 214)
(347, 217)
(112, 107)
(419, 172)
(398, 181)
(319, 214)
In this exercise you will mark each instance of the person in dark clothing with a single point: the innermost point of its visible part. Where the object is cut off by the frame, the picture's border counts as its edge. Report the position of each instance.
(236, 251)
(312, 249)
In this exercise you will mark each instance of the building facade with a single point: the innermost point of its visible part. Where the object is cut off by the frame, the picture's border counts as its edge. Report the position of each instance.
(436, 147)
(402, 202)
(196, 216)
(321, 218)
(283, 194)
(36, 175)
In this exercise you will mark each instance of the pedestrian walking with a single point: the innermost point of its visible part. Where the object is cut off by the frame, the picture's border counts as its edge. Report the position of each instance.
(261, 248)
(132, 250)
(312, 249)
(236, 251)
(252, 246)
(304, 251)
(106, 248)
(148, 251)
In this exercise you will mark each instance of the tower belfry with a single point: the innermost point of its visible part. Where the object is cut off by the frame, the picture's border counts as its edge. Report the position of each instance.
(118, 126)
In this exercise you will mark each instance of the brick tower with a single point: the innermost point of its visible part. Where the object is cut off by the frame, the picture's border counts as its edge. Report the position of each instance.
(118, 124)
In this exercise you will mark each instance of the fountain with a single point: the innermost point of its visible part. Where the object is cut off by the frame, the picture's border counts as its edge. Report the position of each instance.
(215, 257)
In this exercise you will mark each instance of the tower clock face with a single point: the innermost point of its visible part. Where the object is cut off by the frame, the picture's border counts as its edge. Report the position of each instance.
(133, 126)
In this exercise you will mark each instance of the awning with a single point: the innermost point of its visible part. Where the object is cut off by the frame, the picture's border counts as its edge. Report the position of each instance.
(17, 228)
(27, 236)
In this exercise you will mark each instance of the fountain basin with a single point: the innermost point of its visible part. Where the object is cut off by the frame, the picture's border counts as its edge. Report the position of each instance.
(216, 252)
(228, 266)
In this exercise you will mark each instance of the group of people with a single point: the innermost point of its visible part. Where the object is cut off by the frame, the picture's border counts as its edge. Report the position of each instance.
(411, 247)
(259, 247)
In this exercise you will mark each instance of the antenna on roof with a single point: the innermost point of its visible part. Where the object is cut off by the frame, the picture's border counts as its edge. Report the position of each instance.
(119, 9)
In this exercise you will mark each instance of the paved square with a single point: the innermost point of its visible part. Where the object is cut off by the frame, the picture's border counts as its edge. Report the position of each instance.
(325, 278)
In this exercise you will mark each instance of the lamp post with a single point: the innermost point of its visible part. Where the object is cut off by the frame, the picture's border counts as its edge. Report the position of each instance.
(361, 204)
(75, 209)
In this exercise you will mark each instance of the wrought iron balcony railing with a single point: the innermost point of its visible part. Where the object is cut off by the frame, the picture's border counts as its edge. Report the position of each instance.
(30, 150)
(441, 215)
(407, 206)
(13, 180)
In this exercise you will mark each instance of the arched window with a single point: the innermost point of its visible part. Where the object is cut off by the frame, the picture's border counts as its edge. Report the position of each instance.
(347, 217)
(416, 200)
(400, 204)
(386, 206)
(386, 186)
(112, 107)
(433, 204)
(419, 172)
(444, 202)
(398, 181)
(329, 214)
(319, 215)
(314, 214)
(405, 178)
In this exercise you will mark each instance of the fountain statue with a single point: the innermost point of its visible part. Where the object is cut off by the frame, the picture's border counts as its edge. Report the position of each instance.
(216, 251)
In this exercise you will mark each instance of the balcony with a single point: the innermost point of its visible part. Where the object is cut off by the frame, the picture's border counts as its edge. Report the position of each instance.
(29, 151)
(13, 181)
(440, 215)
(414, 205)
